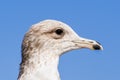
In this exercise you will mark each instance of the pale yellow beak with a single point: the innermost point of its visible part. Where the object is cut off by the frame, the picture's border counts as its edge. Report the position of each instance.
(86, 43)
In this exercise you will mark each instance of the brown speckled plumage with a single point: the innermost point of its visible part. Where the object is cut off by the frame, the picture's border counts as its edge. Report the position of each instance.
(42, 46)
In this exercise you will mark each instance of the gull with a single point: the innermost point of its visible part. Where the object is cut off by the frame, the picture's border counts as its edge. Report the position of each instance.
(43, 45)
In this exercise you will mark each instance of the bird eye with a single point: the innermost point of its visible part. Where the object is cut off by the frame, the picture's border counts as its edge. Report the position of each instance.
(59, 31)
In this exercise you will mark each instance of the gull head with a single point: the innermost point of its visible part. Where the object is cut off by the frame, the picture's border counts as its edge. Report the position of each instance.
(58, 37)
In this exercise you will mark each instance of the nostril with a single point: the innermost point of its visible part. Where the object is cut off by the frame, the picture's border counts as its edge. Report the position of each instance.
(91, 41)
(96, 47)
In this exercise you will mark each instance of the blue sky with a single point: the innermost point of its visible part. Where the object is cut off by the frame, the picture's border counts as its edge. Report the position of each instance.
(93, 19)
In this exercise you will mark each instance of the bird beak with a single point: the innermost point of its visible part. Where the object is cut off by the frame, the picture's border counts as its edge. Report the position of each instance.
(86, 43)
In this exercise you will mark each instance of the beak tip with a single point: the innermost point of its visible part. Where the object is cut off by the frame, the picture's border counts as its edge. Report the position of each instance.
(101, 48)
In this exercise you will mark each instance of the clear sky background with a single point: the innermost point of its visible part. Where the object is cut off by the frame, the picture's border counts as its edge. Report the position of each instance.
(93, 19)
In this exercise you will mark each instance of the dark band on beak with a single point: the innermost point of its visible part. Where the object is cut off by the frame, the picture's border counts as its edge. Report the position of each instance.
(96, 47)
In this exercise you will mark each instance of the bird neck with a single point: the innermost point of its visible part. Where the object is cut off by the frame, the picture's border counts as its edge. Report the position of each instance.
(40, 66)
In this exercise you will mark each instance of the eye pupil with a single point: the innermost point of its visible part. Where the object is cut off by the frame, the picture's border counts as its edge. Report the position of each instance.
(59, 31)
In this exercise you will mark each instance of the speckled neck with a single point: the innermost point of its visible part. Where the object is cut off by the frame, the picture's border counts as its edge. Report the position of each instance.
(39, 66)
